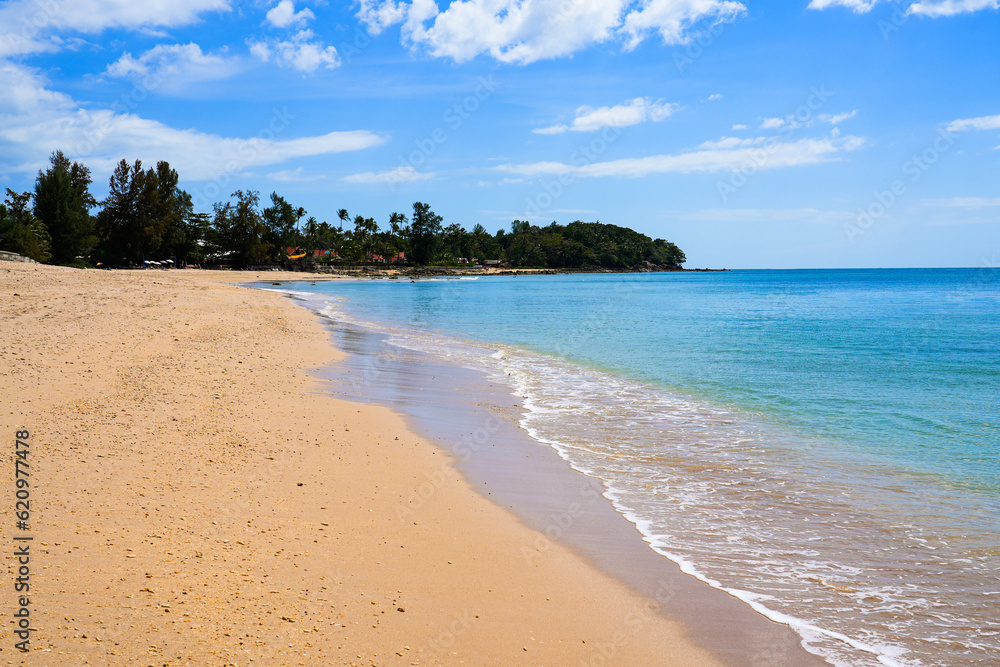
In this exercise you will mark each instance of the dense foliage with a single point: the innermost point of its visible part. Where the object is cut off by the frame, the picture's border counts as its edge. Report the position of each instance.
(146, 216)
(21, 231)
(62, 204)
(587, 244)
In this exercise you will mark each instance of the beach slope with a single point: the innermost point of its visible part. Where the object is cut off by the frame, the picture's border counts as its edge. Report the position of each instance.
(196, 500)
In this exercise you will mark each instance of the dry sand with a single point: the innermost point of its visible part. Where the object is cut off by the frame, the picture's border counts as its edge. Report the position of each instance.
(197, 501)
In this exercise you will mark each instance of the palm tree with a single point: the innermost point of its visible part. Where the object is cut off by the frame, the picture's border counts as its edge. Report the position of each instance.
(365, 230)
(343, 215)
(396, 227)
(310, 237)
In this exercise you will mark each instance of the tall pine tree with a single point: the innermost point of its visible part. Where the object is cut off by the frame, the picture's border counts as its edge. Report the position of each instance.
(62, 203)
(424, 230)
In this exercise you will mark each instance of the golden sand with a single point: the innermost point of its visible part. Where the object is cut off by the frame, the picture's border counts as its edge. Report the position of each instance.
(196, 500)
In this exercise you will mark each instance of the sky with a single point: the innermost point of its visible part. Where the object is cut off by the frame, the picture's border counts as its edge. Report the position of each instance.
(806, 133)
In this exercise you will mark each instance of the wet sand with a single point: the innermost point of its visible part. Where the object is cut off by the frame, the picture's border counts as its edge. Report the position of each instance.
(198, 500)
(476, 421)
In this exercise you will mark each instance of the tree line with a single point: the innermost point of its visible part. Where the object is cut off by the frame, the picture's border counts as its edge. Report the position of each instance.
(147, 216)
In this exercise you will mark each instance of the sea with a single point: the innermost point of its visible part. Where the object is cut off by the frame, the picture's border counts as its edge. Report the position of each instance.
(823, 445)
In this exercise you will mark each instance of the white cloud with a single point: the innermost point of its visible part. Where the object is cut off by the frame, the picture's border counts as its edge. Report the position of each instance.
(726, 154)
(35, 121)
(793, 122)
(532, 169)
(552, 129)
(858, 6)
(170, 66)
(951, 7)
(23, 92)
(27, 26)
(965, 202)
(714, 96)
(834, 119)
(633, 112)
(980, 123)
(933, 8)
(391, 176)
(296, 175)
(302, 52)
(523, 31)
(283, 15)
(739, 126)
(260, 50)
(728, 143)
(380, 15)
(673, 18)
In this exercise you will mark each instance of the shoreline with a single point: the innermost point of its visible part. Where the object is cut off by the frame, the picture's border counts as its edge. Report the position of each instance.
(478, 427)
(201, 502)
(416, 272)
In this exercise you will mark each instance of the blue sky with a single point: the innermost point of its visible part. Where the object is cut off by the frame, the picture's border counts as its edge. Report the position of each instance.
(841, 133)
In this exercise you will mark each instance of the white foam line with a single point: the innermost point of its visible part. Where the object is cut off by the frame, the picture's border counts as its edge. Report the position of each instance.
(307, 295)
(802, 627)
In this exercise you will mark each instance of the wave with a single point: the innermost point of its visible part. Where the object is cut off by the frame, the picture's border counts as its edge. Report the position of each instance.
(851, 554)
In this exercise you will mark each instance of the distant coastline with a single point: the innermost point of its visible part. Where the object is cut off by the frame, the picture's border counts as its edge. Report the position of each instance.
(439, 271)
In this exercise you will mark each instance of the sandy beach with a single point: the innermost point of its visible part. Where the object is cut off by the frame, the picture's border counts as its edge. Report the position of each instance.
(197, 501)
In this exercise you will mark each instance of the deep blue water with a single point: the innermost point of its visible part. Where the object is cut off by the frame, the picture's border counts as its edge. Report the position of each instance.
(726, 411)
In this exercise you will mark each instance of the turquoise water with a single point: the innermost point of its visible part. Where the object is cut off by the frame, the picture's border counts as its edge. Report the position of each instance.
(824, 444)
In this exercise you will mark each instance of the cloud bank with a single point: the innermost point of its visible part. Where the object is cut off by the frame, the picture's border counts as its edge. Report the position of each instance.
(525, 31)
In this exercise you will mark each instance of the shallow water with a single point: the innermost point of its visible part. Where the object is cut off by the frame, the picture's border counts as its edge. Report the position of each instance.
(820, 444)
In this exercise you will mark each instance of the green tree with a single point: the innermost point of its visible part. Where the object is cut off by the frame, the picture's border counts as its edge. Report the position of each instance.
(365, 230)
(330, 238)
(397, 230)
(310, 234)
(425, 229)
(21, 231)
(182, 228)
(666, 253)
(135, 216)
(62, 203)
(520, 227)
(238, 229)
(525, 249)
(344, 216)
(481, 245)
(281, 221)
(455, 241)
(197, 228)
